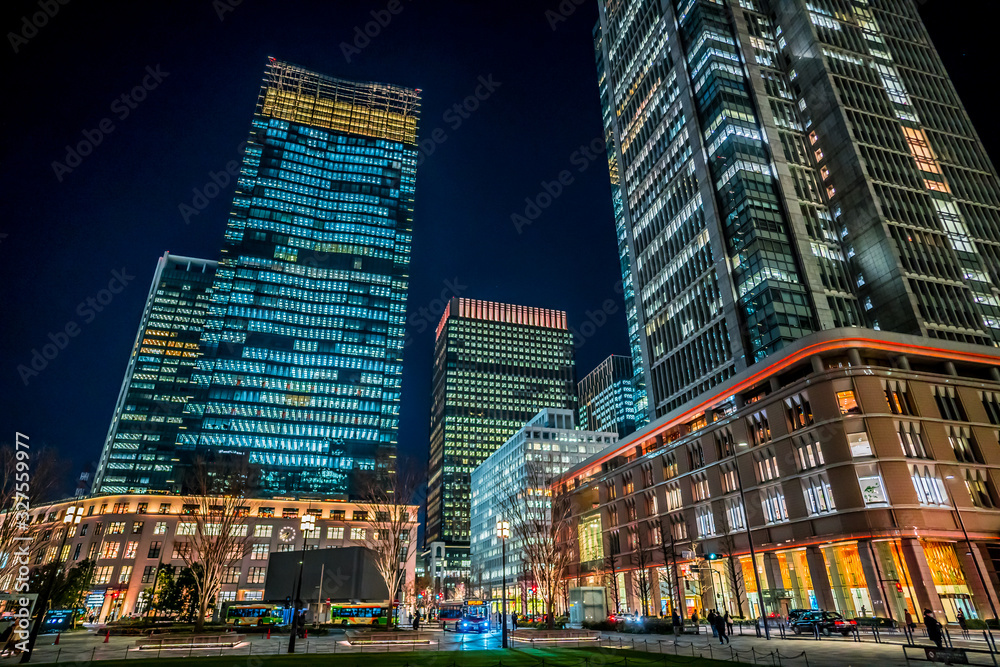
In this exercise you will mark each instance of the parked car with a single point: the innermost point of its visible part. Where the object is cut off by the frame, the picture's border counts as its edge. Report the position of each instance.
(795, 613)
(827, 621)
(470, 623)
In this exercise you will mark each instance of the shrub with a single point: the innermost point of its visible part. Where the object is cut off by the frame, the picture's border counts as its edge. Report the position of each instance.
(603, 626)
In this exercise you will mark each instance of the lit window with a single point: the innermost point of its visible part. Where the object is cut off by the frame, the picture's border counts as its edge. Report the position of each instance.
(848, 403)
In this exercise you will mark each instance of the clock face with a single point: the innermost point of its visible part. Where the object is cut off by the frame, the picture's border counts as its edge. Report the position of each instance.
(286, 534)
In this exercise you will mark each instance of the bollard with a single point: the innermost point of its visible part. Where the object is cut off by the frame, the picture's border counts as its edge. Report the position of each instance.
(107, 637)
(56, 642)
(269, 632)
(305, 633)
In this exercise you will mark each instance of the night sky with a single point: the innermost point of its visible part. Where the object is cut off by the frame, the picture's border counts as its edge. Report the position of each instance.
(68, 229)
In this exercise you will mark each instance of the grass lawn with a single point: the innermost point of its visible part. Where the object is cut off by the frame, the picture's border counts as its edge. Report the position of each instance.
(555, 657)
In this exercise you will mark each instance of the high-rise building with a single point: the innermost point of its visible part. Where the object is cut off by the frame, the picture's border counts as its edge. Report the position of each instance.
(607, 397)
(304, 339)
(810, 223)
(782, 167)
(546, 446)
(139, 454)
(495, 366)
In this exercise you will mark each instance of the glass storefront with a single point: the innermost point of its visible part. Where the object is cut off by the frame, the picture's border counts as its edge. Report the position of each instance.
(949, 579)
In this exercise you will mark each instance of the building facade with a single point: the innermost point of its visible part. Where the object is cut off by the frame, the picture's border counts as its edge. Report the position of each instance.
(607, 397)
(304, 339)
(139, 455)
(781, 167)
(495, 366)
(865, 466)
(546, 446)
(129, 538)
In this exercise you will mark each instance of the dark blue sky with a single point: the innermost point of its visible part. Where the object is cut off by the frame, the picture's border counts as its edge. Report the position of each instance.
(67, 231)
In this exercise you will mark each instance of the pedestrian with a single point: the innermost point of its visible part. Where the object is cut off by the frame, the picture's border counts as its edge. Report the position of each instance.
(720, 628)
(694, 619)
(962, 624)
(675, 621)
(864, 612)
(711, 623)
(416, 621)
(933, 628)
(729, 623)
(908, 619)
(513, 620)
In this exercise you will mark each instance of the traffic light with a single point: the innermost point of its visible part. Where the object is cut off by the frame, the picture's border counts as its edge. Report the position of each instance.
(713, 556)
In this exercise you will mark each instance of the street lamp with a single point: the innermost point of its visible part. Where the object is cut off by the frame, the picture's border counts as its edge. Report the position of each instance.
(71, 518)
(307, 524)
(753, 553)
(972, 554)
(503, 532)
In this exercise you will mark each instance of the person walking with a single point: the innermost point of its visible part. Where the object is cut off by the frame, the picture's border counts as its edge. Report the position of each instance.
(513, 620)
(720, 628)
(729, 623)
(694, 620)
(711, 623)
(933, 628)
(962, 624)
(675, 621)
(908, 619)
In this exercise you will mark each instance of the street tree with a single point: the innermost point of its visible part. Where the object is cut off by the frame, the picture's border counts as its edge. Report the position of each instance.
(540, 528)
(217, 504)
(391, 536)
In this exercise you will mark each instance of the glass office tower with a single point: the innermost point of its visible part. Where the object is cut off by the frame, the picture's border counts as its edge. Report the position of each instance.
(781, 167)
(607, 397)
(495, 366)
(304, 339)
(139, 454)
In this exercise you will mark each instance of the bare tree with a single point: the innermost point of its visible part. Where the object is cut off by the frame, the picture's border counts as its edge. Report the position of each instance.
(541, 529)
(735, 581)
(611, 572)
(392, 535)
(27, 479)
(641, 585)
(217, 505)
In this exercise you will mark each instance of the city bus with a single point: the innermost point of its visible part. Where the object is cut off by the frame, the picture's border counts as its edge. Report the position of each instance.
(363, 613)
(256, 613)
(451, 613)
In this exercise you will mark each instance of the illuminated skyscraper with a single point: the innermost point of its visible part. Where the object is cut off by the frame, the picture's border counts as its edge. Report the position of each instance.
(304, 339)
(782, 167)
(495, 366)
(607, 397)
(139, 454)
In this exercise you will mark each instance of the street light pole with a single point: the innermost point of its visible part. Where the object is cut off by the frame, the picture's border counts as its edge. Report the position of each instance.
(307, 524)
(753, 553)
(503, 532)
(972, 554)
(73, 516)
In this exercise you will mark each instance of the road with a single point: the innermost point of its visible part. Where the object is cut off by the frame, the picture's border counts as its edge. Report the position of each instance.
(828, 652)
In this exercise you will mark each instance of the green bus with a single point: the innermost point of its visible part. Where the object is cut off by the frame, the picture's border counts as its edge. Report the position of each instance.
(363, 613)
(255, 613)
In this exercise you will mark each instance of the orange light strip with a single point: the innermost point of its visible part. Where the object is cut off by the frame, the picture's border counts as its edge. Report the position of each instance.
(507, 313)
(777, 367)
